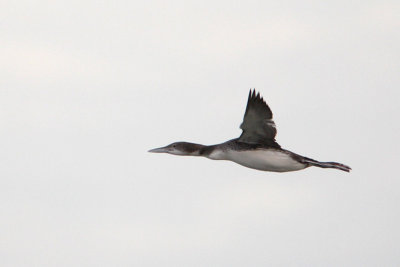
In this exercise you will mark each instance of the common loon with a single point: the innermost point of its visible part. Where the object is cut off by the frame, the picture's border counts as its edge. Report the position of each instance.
(256, 147)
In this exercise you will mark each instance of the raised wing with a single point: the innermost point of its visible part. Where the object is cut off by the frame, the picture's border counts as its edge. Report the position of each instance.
(258, 126)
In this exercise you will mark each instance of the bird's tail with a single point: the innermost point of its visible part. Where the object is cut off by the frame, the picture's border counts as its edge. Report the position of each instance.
(334, 165)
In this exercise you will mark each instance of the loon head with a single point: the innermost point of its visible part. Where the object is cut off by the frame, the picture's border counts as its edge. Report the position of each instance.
(180, 149)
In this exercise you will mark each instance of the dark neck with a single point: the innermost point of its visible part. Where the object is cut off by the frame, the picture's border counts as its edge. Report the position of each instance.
(193, 149)
(206, 150)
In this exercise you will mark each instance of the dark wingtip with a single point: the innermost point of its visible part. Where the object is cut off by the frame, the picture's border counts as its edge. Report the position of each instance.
(253, 94)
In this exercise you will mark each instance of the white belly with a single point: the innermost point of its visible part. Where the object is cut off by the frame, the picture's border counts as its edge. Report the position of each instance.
(265, 160)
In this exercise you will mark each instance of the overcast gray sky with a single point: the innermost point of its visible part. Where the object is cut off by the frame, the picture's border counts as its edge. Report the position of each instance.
(87, 87)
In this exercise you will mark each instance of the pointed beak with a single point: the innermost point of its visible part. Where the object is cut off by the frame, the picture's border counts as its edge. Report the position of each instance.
(159, 150)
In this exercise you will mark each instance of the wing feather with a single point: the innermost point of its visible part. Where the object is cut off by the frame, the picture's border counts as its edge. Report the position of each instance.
(258, 126)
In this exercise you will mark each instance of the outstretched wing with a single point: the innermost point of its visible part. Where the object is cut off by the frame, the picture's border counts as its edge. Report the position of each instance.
(258, 126)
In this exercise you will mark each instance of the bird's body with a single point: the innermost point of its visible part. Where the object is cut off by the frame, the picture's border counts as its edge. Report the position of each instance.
(256, 148)
(257, 157)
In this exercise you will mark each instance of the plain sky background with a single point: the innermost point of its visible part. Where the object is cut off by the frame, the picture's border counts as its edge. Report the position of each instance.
(87, 87)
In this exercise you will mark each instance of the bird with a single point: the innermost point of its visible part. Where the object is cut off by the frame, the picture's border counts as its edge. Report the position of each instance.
(255, 148)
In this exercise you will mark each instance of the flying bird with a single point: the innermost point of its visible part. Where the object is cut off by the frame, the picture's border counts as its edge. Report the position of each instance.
(255, 148)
